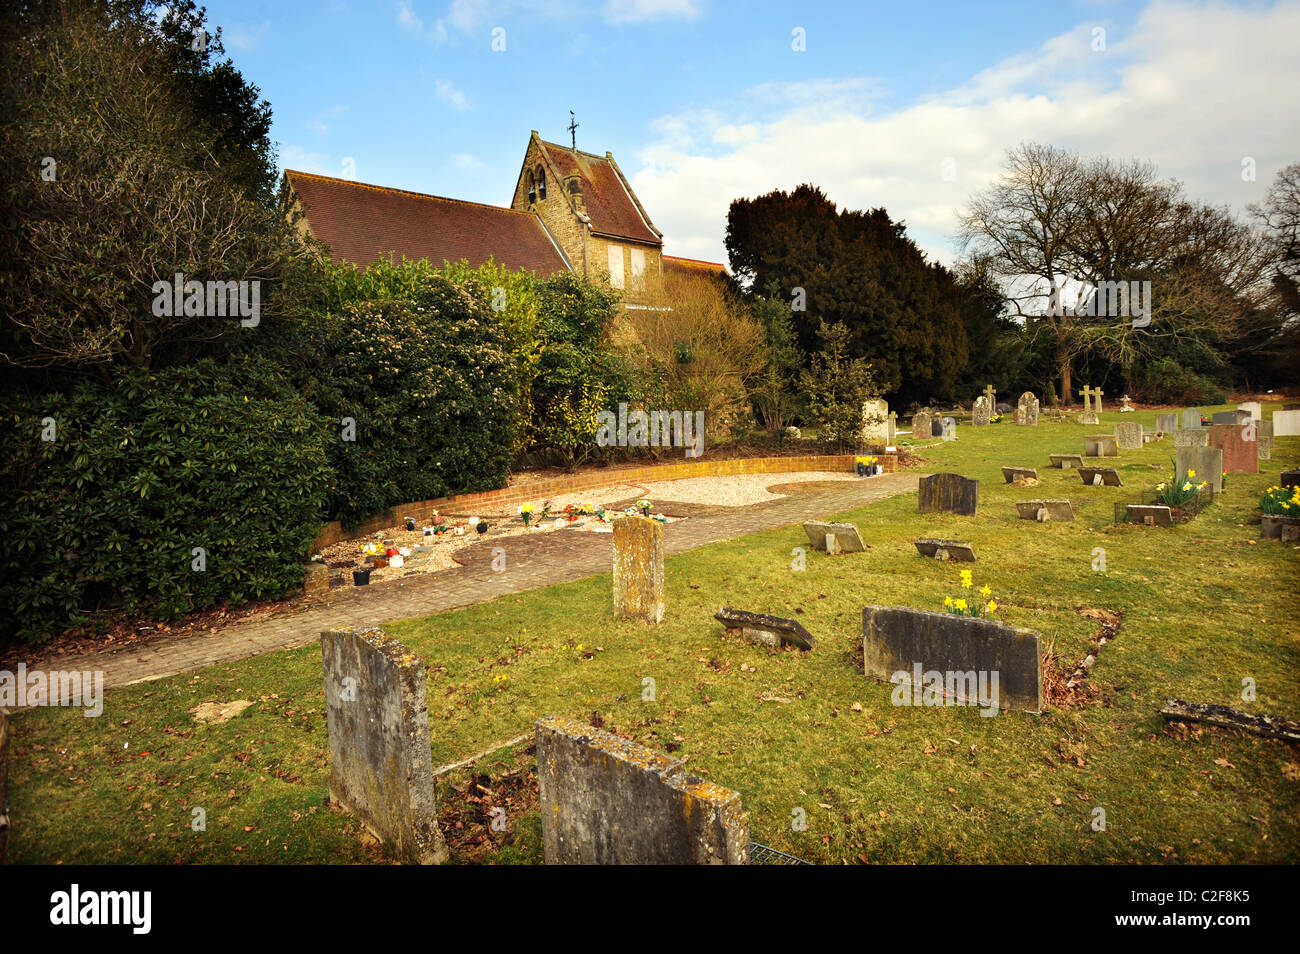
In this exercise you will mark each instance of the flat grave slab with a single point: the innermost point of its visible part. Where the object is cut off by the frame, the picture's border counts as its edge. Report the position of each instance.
(946, 550)
(1100, 476)
(1151, 515)
(834, 537)
(1100, 445)
(1044, 510)
(1009, 474)
(1067, 461)
(764, 629)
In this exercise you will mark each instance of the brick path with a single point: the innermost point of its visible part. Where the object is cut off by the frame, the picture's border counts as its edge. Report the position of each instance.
(532, 562)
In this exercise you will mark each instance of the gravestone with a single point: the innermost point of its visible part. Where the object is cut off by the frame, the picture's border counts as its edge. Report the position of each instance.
(1009, 474)
(1151, 515)
(1286, 423)
(921, 425)
(1067, 461)
(936, 426)
(1091, 414)
(763, 629)
(1240, 456)
(1230, 418)
(1128, 435)
(1099, 476)
(1289, 478)
(1127, 402)
(606, 800)
(1187, 437)
(945, 550)
(846, 536)
(1206, 462)
(981, 411)
(893, 426)
(1166, 423)
(899, 644)
(381, 767)
(949, 428)
(1254, 407)
(949, 492)
(1027, 410)
(1100, 445)
(1044, 510)
(875, 422)
(639, 568)
(1190, 418)
(1264, 434)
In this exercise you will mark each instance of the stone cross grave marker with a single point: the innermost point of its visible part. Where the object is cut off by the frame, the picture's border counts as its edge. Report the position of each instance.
(381, 767)
(1128, 435)
(639, 568)
(606, 800)
(900, 645)
(1240, 446)
(1097, 476)
(1205, 462)
(949, 492)
(1044, 510)
(763, 629)
(1100, 445)
(952, 550)
(1027, 410)
(846, 536)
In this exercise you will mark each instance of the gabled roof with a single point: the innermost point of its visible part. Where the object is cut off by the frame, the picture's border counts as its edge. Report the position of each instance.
(611, 204)
(693, 266)
(362, 223)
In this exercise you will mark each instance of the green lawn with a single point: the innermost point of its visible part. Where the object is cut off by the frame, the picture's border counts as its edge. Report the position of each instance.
(1204, 606)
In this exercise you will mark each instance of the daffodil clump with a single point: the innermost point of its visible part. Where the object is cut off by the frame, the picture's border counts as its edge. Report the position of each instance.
(1175, 494)
(967, 604)
(1282, 501)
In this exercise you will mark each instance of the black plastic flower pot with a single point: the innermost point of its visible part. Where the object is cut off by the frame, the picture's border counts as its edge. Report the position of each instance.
(361, 577)
(482, 526)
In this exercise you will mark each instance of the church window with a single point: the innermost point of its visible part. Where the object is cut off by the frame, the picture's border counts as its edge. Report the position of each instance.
(532, 187)
(615, 265)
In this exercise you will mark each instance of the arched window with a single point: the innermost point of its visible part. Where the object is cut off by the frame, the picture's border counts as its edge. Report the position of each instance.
(532, 187)
(541, 183)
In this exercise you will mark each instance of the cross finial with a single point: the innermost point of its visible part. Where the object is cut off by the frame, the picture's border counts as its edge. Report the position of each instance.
(573, 130)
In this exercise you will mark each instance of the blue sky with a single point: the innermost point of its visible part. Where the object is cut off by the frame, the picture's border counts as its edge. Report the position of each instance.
(905, 106)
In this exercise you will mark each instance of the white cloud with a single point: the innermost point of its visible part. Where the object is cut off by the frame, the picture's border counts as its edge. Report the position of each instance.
(643, 11)
(296, 157)
(465, 162)
(1193, 88)
(451, 95)
(243, 36)
(408, 19)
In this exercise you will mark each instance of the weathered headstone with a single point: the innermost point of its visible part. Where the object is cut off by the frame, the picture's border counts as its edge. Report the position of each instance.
(893, 426)
(763, 629)
(1166, 423)
(1128, 435)
(952, 550)
(1009, 474)
(846, 536)
(1066, 461)
(936, 426)
(1254, 407)
(1230, 418)
(875, 422)
(1099, 476)
(1044, 510)
(1027, 410)
(1151, 515)
(381, 767)
(1192, 437)
(981, 411)
(1100, 445)
(1286, 423)
(1190, 418)
(921, 425)
(903, 645)
(949, 428)
(1240, 456)
(606, 800)
(639, 568)
(949, 492)
(1264, 434)
(1205, 462)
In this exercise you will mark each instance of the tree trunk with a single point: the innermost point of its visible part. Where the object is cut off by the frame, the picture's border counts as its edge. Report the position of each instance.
(1067, 385)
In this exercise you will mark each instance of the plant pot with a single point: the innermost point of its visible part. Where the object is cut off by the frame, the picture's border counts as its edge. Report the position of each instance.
(361, 577)
(1271, 524)
(861, 469)
(482, 526)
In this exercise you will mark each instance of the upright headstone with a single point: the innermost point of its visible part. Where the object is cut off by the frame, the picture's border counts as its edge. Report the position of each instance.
(875, 422)
(1230, 418)
(910, 646)
(936, 426)
(949, 428)
(1240, 447)
(921, 426)
(1286, 423)
(981, 411)
(893, 426)
(1166, 423)
(381, 767)
(1128, 435)
(1089, 416)
(606, 800)
(1192, 437)
(949, 492)
(639, 568)
(1027, 410)
(1264, 431)
(1190, 418)
(1205, 462)
(1254, 407)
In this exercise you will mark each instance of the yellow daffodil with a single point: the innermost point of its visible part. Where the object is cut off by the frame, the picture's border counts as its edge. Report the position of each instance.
(1191, 473)
(959, 604)
(992, 606)
(947, 601)
(966, 580)
(985, 591)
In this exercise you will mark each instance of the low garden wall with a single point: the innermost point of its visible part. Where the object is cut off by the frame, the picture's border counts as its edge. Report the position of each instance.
(490, 502)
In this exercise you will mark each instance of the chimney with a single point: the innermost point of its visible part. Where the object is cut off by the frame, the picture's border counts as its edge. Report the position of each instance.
(573, 185)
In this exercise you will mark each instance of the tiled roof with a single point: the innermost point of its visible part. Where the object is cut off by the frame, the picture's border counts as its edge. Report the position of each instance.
(361, 223)
(673, 264)
(606, 194)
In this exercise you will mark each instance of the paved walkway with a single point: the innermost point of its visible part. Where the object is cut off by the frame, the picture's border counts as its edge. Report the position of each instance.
(532, 562)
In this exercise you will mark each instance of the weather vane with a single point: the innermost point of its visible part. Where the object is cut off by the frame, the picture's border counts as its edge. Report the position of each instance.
(573, 130)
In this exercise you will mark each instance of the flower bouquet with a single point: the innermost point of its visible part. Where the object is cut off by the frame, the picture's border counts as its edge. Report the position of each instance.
(967, 605)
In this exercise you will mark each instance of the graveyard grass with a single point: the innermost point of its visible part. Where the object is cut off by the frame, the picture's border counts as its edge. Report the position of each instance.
(1204, 606)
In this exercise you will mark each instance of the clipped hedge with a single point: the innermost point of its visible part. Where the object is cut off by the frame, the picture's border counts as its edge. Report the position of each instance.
(107, 515)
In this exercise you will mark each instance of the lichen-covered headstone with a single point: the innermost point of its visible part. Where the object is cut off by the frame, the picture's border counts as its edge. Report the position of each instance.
(1192, 437)
(1190, 418)
(1166, 423)
(1264, 433)
(875, 422)
(921, 425)
(1027, 410)
(981, 411)
(1128, 435)
(607, 800)
(381, 767)
(639, 568)
(949, 492)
